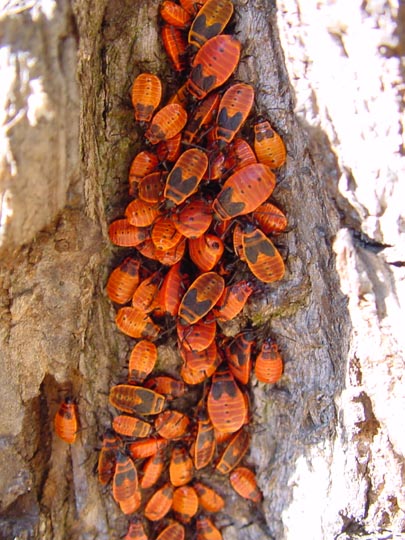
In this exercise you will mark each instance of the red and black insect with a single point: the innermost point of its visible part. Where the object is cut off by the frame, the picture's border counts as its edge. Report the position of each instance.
(171, 291)
(152, 470)
(206, 251)
(193, 218)
(174, 14)
(136, 324)
(136, 530)
(262, 257)
(129, 426)
(107, 456)
(234, 452)
(210, 21)
(125, 484)
(243, 481)
(185, 503)
(269, 364)
(181, 467)
(166, 123)
(201, 297)
(238, 353)
(160, 503)
(170, 387)
(208, 498)
(123, 234)
(175, 44)
(142, 360)
(123, 281)
(268, 145)
(146, 95)
(234, 108)
(232, 301)
(213, 64)
(136, 399)
(66, 421)
(185, 176)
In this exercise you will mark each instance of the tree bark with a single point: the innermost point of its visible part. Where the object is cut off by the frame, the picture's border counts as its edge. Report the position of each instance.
(328, 439)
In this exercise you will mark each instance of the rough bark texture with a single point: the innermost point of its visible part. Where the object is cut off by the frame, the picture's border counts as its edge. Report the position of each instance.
(328, 440)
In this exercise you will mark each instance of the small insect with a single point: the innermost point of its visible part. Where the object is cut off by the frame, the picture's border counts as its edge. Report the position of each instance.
(147, 447)
(210, 21)
(268, 145)
(164, 234)
(107, 456)
(269, 364)
(136, 530)
(238, 155)
(194, 218)
(171, 292)
(206, 530)
(152, 470)
(160, 503)
(174, 14)
(203, 115)
(150, 187)
(171, 424)
(269, 218)
(142, 360)
(232, 301)
(262, 257)
(170, 149)
(66, 421)
(172, 255)
(226, 404)
(123, 281)
(244, 191)
(123, 234)
(208, 498)
(136, 324)
(234, 452)
(238, 353)
(185, 176)
(244, 483)
(234, 108)
(145, 297)
(196, 376)
(205, 445)
(168, 386)
(201, 297)
(206, 251)
(146, 95)
(175, 44)
(192, 6)
(141, 213)
(200, 360)
(199, 336)
(174, 531)
(181, 467)
(213, 64)
(130, 426)
(143, 164)
(136, 399)
(185, 503)
(166, 123)
(125, 484)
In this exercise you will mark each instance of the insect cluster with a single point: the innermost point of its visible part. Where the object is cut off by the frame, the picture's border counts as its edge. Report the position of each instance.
(199, 207)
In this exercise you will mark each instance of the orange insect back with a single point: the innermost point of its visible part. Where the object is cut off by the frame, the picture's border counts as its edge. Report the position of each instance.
(141, 213)
(202, 116)
(107, 456)
(270, 219)
(208, 498)
(171, 292)
(185, 176)
(136, 530)
(142, 360)
(244, 191)
(201, 297)
(66, 421)
(199, 336)
(145, 297)
(194, 218)
(200, 360)
(125, 484)
(136, 324)
(213, 64)
(238, 353)
(170, 150)
(232, 301)
(147, 447)
(269, 364)
(175, 44)
(136, 399)
(160, 503)
(206, 251)
(206, 530)
(210, 21)
(171, 424)
(168, 386)
(174, 14)
(129, 426)
(226, 404)
(181, 467)
(123, 234)
(166, 123)
(234, 108)
(185, 503)
(146, 95)
(243, 481)
(174, 531)
(143, 164)
(123, 281)
(234, 452)
(268, 145)
(164, 234)
(238, 155)
(262, 257)
(152, 470)
(150, 187)
(205, 445)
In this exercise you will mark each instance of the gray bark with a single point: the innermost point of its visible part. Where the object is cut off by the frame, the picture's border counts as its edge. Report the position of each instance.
(328, 440)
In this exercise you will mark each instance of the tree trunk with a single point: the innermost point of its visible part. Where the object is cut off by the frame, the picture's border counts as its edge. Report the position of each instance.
(328, 439)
